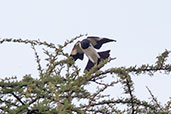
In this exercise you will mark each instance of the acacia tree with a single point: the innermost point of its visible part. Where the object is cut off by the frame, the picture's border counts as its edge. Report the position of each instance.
(62, 88)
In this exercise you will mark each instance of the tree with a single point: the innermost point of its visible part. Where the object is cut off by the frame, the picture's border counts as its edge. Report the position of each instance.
(62, 89)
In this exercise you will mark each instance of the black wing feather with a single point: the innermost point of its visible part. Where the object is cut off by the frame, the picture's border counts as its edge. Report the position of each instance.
(89, 65)
(103, 55)
(78, 56)
(99, 43)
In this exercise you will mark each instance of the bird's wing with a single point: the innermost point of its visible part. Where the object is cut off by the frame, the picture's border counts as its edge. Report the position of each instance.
(77, 52)
(89, 65)
(103, 55)
(97, 42)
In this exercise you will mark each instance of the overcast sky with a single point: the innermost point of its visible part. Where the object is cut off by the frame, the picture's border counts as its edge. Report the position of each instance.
(142, 29)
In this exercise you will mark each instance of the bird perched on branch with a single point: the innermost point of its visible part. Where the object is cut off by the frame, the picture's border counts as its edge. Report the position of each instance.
(88, 47)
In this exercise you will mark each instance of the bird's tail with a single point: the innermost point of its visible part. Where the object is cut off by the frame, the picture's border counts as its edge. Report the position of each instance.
(103, 55)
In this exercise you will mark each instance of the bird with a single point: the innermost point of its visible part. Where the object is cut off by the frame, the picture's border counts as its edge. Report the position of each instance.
(88, 47)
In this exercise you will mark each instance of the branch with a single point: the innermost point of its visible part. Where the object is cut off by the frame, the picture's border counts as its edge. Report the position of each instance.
(154, 99)
(122, 101)
(32, 42)
(93, 96)
(148, 68)
(18, 98)
(39, 68)
(131, 95)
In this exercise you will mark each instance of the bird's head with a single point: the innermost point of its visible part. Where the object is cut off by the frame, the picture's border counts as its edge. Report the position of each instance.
(85, 44)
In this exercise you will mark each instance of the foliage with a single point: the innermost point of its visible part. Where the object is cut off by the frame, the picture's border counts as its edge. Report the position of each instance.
(62, 89)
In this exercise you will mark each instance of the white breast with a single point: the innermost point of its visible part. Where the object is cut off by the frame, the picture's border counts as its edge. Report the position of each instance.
(91, 54)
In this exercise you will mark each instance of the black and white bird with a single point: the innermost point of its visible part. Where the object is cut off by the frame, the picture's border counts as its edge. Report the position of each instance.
(88, 47)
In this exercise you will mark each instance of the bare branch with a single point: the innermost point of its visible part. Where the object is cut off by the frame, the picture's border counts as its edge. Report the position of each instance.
(154, 99)
(18, 98)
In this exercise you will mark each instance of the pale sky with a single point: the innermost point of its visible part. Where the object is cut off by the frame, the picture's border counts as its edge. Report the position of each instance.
(141, 28)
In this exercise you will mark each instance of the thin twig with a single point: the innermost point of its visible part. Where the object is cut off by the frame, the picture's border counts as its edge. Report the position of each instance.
(39, 68)
(154, 99)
